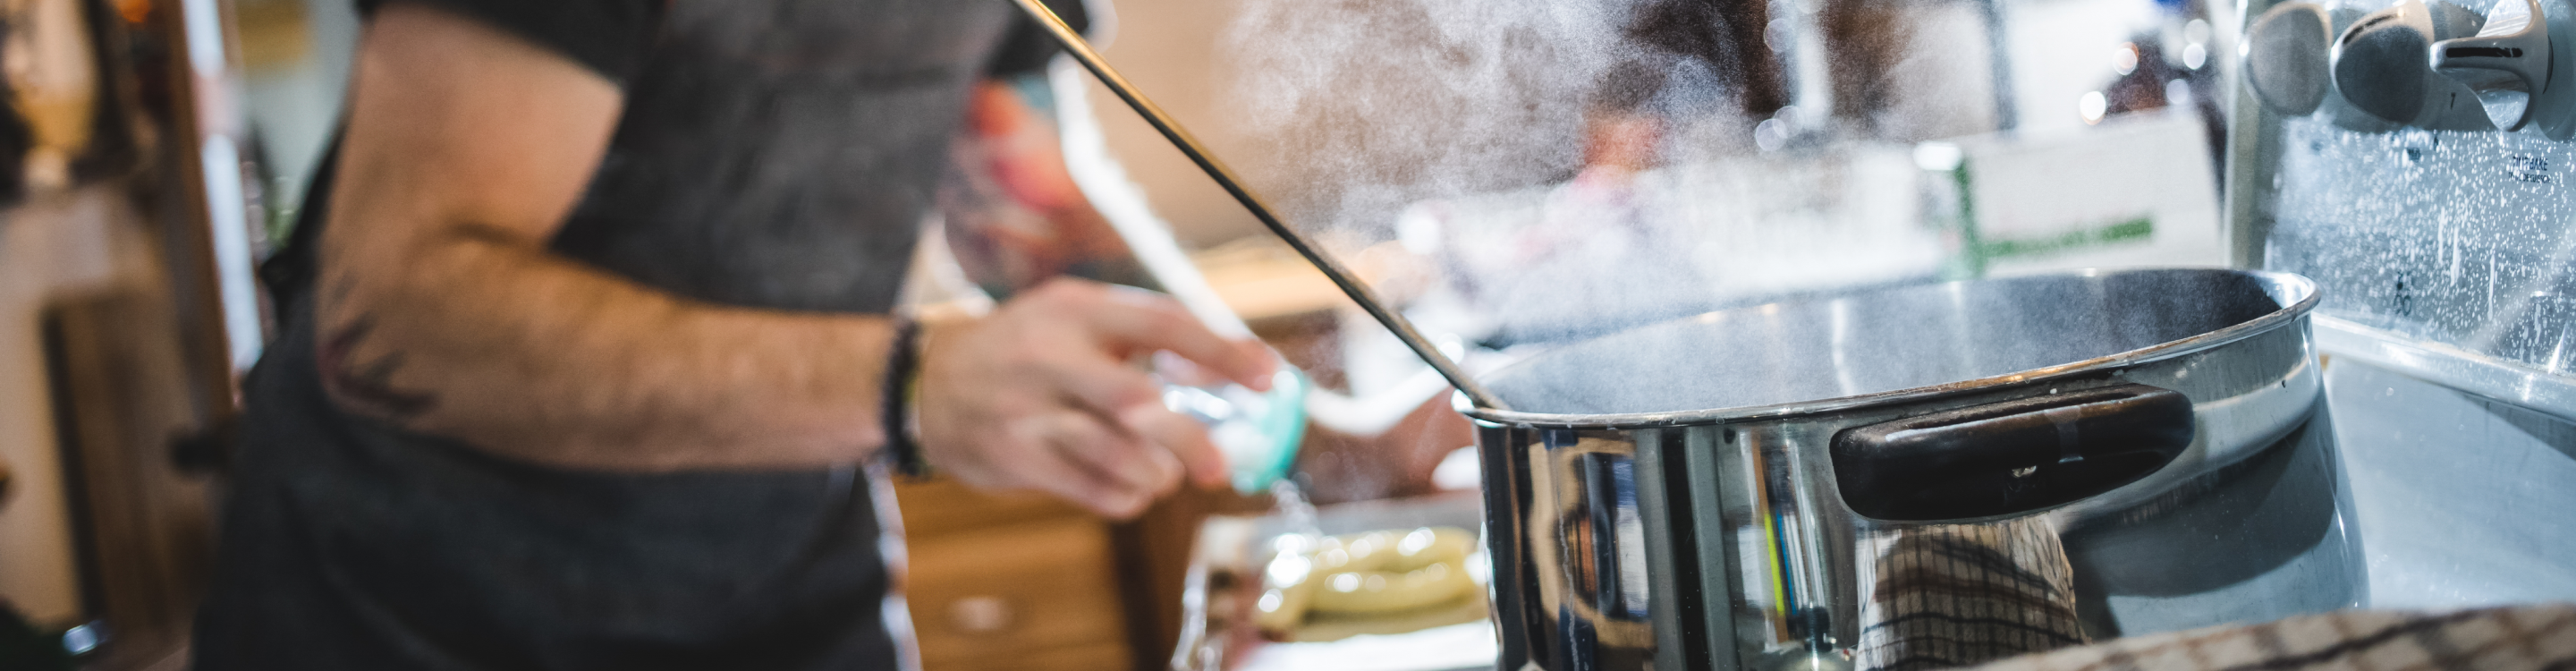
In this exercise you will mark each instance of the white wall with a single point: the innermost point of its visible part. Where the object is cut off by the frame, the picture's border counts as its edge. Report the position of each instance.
(1169, 49)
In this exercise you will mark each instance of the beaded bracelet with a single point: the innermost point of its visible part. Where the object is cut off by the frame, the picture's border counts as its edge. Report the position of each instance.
(902, 382)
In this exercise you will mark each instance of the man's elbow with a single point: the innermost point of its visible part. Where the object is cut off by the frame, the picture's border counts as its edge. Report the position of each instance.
(359, 376)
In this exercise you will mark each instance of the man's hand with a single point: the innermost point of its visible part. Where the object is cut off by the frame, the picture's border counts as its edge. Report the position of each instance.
(1040, 395)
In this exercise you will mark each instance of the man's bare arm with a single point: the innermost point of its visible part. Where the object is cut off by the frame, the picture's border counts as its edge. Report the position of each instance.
(442, 311)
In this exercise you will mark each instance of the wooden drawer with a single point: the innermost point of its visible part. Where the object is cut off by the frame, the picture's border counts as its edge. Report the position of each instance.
(1023, 596)
(941, 507)
(1094, 657)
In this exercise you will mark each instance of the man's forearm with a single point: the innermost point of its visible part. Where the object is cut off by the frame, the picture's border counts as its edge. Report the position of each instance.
(439, 309)
(526, 354)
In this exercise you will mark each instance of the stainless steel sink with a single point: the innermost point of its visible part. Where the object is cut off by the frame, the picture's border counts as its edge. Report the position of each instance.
(2461, 499)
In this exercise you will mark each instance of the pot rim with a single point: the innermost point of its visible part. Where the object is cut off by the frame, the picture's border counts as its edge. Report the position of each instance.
(2275, 283)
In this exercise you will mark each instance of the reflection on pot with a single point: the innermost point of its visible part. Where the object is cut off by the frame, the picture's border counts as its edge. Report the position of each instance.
(2061, 459)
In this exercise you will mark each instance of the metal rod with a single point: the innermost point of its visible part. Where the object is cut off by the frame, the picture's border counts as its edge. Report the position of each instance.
(1341, 277)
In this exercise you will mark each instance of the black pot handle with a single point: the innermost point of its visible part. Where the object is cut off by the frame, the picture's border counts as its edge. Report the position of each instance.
(2010, 457)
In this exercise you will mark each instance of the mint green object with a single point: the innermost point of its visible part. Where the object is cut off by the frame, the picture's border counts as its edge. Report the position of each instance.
(1284, 425)
(1257, 431)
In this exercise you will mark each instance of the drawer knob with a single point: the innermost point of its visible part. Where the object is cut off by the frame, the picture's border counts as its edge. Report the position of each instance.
(980, 614)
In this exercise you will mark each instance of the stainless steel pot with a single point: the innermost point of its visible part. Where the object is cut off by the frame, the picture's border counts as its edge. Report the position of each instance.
(1917, 477)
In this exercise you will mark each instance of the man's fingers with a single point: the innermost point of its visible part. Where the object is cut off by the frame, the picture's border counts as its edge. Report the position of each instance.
(1081, 487)
(1099, 436)
(1112, 453)
(1039, 464)
(1135, 401)
(1146, 321)
(1259, 364)
(1103, 385)
(1172, 471)
(1180, 436)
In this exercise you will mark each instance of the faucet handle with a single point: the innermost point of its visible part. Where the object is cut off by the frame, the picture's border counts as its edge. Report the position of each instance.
(2506, 63)
(2285, 57)
(2383, 66)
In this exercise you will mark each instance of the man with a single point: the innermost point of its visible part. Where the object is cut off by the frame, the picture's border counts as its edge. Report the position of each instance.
(587, 329)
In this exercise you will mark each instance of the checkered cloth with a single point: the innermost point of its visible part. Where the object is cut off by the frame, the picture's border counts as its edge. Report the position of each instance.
(2524, 638)
(2001, 595)
(1949, 596)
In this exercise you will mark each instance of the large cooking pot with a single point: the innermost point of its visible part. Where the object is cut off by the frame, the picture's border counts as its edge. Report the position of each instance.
(1917, 477)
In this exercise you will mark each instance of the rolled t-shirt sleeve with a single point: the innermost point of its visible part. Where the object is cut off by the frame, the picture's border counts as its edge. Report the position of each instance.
(611, 37)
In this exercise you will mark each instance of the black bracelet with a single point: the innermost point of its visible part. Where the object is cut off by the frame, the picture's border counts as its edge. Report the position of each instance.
(903, 365)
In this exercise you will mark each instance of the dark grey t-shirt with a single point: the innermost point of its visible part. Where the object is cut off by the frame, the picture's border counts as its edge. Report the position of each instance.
(773, 153)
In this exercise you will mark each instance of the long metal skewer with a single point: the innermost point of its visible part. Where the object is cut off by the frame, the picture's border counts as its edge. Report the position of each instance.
(1341, 277)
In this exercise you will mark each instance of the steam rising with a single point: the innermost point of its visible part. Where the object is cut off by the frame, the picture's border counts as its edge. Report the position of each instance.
(1365, 106)
(1550, 172)
(1462, 127)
